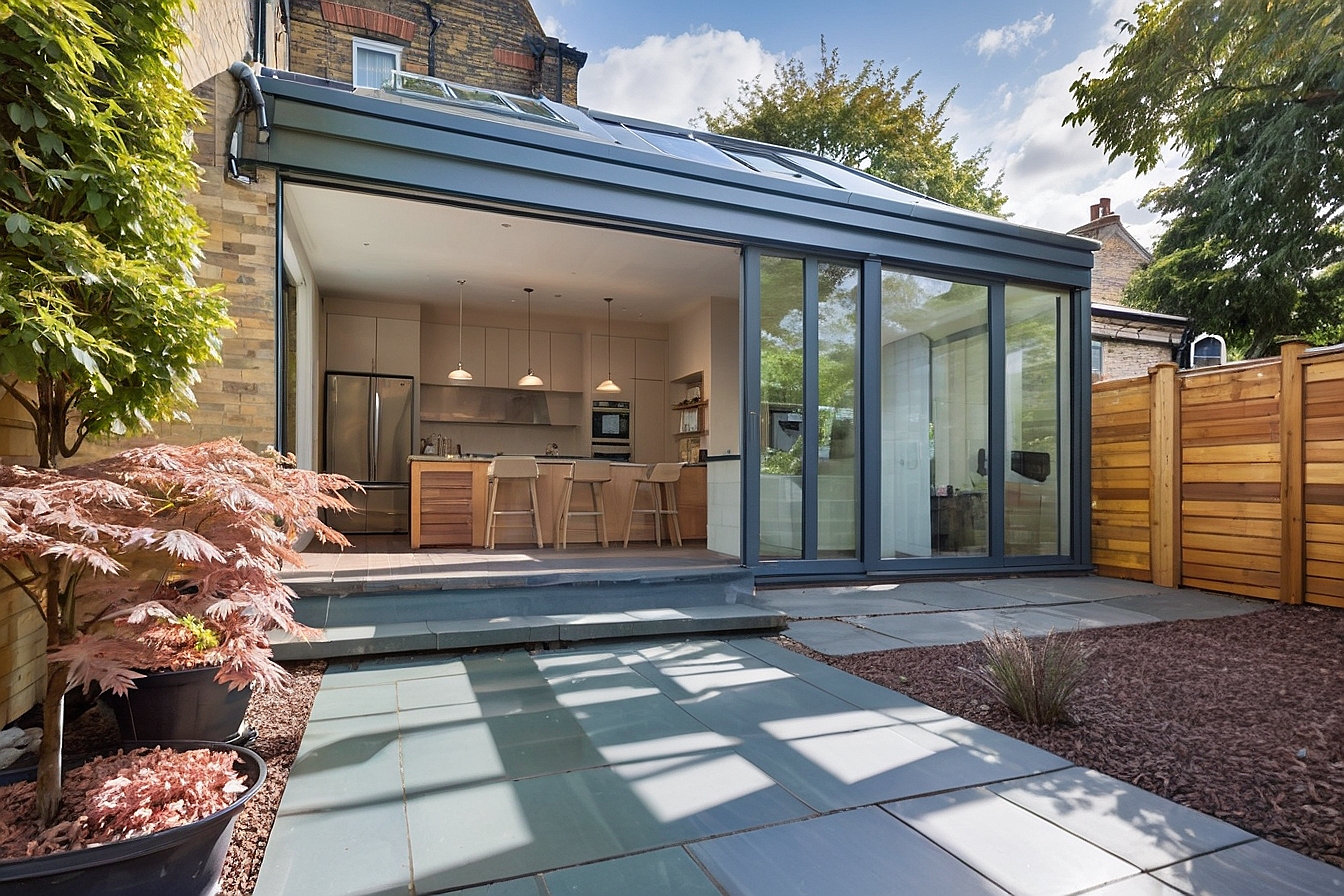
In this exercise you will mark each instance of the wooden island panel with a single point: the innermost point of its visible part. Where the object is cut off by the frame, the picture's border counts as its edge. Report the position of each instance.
(445, 494)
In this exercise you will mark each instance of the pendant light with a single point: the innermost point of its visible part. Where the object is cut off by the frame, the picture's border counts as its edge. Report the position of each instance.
(460, 375)
(530, 379)
(608, 385)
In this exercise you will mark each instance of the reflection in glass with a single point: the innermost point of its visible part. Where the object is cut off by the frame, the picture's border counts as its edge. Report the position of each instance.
(1037, 423)
(837, 336)
(934, 486)
(781, 408)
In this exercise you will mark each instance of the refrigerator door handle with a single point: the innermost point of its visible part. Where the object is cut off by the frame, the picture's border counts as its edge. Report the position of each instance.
(374, 432)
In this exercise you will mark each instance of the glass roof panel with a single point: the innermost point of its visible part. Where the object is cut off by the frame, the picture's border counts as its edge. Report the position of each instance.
(686, 148)
(478, 95)
(531, 107)
(849, 179)
(768, 164)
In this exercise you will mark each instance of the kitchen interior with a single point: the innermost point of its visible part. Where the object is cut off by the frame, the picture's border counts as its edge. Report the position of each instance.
(431, 338)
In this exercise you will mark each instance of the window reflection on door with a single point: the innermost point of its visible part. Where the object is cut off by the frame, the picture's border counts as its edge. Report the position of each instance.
(934, 484)
(781, 500)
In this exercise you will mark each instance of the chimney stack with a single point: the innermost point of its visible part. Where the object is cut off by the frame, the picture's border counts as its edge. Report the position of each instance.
(1102, 209)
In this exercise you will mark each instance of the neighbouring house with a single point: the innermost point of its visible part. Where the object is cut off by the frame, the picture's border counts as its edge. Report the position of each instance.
(1126, 341)
(877, 382)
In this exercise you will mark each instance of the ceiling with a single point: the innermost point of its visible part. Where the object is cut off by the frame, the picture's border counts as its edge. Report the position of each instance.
(367, 246)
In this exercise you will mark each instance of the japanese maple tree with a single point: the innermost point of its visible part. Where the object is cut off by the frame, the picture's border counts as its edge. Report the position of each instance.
(111, 551)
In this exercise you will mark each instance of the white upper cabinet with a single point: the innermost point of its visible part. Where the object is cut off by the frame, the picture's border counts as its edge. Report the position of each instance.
(566, 363)
(650, 359)
(360, 344)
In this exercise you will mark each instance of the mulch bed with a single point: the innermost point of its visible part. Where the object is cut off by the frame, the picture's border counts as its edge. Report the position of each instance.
(279, 719)
(1241, 718)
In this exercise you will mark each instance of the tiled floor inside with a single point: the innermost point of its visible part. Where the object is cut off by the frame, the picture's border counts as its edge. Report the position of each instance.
(712, 767)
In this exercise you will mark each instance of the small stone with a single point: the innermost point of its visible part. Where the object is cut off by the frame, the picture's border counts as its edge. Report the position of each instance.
(1302, 753)
(8, 756)
(12, 737)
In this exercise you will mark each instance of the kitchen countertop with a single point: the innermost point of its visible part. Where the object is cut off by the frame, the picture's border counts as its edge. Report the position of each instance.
(473, 459)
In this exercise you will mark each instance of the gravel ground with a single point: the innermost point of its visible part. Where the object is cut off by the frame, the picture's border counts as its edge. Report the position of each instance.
(1241, 718)
(279, 719)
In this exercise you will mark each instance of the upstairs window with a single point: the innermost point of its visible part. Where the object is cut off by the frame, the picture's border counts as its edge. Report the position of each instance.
(1097, 355)
(1208, 351)
(374, 62)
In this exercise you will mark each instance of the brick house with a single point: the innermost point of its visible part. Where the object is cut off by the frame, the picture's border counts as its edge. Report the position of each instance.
(1125, 341)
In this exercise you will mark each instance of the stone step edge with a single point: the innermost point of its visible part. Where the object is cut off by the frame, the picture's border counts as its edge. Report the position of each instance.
(363, 583)
(460, 634)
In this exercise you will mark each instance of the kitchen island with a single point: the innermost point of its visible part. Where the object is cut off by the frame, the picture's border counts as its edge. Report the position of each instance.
(449, 495)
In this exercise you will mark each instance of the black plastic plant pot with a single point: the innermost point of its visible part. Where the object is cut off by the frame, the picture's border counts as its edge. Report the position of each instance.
(182, 861)
(184, 705)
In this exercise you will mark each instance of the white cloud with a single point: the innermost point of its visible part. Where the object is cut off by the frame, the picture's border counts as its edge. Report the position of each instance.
(669, 79)
(1012, 38)
(551, 27)
(1052, 172)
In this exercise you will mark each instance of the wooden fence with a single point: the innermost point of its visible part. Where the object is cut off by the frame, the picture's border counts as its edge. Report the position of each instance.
(1228, 478)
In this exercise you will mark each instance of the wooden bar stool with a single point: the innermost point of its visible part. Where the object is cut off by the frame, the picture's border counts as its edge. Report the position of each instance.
(594, 474)
(511, 469)
(662, 482)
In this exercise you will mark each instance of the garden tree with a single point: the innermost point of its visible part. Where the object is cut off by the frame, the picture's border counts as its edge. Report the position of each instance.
(874, 121)
(1252, 91)
(98, 308)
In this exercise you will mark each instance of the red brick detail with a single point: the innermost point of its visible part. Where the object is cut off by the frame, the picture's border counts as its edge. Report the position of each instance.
(514, 59)
(359, 17)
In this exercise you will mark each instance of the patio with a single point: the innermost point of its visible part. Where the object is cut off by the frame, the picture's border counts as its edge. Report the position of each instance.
(709, 766)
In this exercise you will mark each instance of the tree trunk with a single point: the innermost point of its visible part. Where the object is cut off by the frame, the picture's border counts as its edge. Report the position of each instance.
(49, 753)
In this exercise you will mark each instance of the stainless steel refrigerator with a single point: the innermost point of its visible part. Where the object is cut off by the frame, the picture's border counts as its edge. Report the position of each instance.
(368, 438)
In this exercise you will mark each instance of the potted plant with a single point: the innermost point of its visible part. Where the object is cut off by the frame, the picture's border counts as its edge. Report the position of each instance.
(118, 553)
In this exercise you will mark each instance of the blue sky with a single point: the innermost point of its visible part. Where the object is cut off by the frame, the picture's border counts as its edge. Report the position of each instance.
(1011, 62)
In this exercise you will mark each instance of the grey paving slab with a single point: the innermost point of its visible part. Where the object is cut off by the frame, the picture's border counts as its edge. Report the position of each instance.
(1016, 757)
(357, 640)
(1188, 604)
(819, 603)
(663, 872)
(445, 690)
(652, 727)
(953, 596)
(360, 851)
(1056, 589)
(1253, 869)
(340, 703)
(1139, 827)
(929, 629)
(840, 638)
(519, 886)
(864, 852)
(1098, 615)
(458, 634)
(388, 670)
(850, 688)
(476, 834)
(343, 766)
(1138, 885)
(1022, 852)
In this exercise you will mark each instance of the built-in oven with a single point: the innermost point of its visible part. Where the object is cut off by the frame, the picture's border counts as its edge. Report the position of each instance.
(611, 430)
(611, 421)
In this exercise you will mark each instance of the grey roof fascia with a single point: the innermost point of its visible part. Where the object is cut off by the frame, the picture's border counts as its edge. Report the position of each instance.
(554, 169)
(1122, 312)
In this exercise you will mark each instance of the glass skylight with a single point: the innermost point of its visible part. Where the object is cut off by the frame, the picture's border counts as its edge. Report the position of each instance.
(687, 148)
(439, 90)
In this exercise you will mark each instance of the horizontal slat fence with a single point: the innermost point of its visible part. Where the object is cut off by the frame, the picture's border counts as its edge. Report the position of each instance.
(1242, 486)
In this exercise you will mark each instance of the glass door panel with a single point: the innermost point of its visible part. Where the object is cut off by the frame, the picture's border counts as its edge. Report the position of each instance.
(781, 415)
(934, 386)
(837, 431)
(1036, 456)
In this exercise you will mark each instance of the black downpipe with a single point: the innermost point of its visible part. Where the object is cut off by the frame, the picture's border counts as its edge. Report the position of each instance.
(434, 24)
(259, 31)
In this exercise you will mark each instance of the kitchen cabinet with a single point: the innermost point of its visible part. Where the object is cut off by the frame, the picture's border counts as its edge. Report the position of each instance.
(650, 359)
(622, 364)
(538, 350)
(649, 440)
(361, 344)
(566, 363)
(438, 354)
(496, 362)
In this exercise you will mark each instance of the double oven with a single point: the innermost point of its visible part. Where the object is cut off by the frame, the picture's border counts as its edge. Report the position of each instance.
(611, 430)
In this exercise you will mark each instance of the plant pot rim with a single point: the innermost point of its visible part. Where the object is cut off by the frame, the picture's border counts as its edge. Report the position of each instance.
(133, 847)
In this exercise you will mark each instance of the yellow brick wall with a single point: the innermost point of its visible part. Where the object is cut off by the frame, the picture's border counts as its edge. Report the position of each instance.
(219, 33)
(465, 44)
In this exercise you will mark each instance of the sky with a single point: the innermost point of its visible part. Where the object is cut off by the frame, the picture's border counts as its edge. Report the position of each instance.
(1010, 62)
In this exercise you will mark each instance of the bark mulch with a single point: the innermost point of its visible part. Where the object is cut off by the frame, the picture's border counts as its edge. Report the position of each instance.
(1241, 717)
(279, 719)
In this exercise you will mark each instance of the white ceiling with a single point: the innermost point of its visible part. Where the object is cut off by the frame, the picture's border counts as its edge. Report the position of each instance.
(365, 246)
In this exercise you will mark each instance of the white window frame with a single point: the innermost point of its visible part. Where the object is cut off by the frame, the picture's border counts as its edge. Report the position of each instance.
(1222, 350)
(373, 46)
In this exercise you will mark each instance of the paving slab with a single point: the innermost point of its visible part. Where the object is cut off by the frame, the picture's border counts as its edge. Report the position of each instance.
(388, 670)
(818, 603)
(1254, 869)
(1139, 827)
(1023, 852)
(954, 596)
(863, 852)
(361, 851)
(1138, 885)
(840, 638)
(1060, 589)
(930, 629)
(1101, 615)
(519, 886)
(663, 872)
(1188, 604)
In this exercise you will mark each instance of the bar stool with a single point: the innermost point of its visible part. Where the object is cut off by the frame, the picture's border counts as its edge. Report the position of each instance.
(594, 474)
(511, 469)
(662, 482)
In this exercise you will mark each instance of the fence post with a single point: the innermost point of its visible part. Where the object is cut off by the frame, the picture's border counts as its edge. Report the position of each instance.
(1164, 495)
(1292, 473)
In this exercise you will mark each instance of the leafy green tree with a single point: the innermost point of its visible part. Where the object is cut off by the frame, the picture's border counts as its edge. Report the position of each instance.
(98, 306)
(1252, 91)
(874, 121)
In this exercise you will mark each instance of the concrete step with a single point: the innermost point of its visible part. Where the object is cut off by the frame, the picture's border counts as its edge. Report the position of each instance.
(549, 608)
